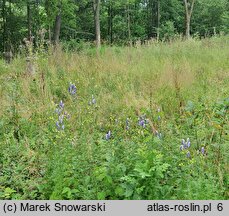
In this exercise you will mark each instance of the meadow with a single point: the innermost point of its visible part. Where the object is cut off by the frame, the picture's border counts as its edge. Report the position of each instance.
(144, 122)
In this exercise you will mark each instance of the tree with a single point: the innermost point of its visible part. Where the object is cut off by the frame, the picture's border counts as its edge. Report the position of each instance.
(110, 13)
(189, 4)
(4, 34)
(96, 9)
(57, 25)
(29, 20)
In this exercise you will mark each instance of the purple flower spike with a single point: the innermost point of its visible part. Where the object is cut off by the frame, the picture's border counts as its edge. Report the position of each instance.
(127, 121)
(108, 135)
(127, 124)
(72, 89)
(142, 123)
(159, 135)
(188, 143)
(202, 150)
(93, 100)
(188, 154)
(58, 125)
(61, 119)
(182, 142)
(61, 104)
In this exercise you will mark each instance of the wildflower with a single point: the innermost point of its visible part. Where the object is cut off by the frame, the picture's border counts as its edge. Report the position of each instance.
(202, 150)
(61, 119)
(61, 104)
(142, 123)
(159, 136)
(188, 143)
(159, 118)
(127, 121)
(181, 147)
(58, 111)
(158, 110)
(58, 125)
(188, 154)
(108, 135)
(72, 89)
(93, 100)
(127, 124)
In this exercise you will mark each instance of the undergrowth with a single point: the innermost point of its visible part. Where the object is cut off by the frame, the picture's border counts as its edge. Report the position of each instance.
(131, 123)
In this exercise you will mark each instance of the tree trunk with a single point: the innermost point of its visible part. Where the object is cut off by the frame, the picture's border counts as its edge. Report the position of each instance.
(4, 25)
(29, 21)
(187, 29)
(153, 4)
(128, 22)
(152, 18)
(188, 14)
(96, 7)
(110, 23)
(56, 35)
(158, 19)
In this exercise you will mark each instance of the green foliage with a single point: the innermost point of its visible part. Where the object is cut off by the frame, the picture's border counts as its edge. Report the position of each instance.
(180, 87)
(121, 21)
(168, 30)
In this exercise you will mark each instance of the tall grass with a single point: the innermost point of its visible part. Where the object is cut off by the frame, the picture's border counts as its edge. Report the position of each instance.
(187, 81)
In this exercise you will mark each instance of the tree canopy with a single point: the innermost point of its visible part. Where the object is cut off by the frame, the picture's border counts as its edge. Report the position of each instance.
(119, 21)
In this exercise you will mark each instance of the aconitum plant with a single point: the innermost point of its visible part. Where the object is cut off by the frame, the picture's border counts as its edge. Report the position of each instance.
(108, 135)
(93, 101)
(185, 144)
(127, 124)
(202, 150)
(72, 89)
(188, 154)
(61, 104)
(142, 121)
(59, 111)
(60, 126)
(159, 135)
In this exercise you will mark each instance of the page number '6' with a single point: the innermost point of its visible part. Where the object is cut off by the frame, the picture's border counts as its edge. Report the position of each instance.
(220, 207)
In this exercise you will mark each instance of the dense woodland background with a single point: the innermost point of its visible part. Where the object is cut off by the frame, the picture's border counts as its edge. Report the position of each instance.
(114, 21)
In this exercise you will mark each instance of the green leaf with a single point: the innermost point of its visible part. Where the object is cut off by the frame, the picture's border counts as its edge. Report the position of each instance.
(101, 195)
